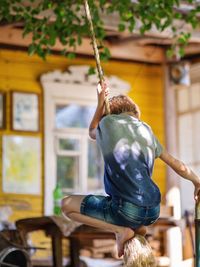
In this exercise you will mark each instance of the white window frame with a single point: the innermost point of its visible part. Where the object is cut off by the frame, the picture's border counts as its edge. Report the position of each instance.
(62, 95)
(82, 136)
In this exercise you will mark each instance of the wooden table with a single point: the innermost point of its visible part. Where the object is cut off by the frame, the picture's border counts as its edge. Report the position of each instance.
(46, 224)
(76, 238)
(51, 229)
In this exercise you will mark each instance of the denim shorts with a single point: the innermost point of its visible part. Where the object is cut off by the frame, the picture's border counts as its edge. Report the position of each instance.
(119, 212)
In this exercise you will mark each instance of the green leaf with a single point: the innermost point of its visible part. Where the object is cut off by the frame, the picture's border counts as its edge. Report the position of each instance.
(91, 71)
(105, 54)
(52, 38)
(50, 5)
(79, 39)
(182, 40)
(102, 2)
(31, 49)
(63, 39)
(131, 24)
(178, 16)
(72, 41)
(177, 2)
(121, 27)
(181, 51)
(170, 53)
(71, 55)
(41, 53)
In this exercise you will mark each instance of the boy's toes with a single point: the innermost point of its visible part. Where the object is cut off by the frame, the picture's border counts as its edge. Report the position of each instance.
(120, 252)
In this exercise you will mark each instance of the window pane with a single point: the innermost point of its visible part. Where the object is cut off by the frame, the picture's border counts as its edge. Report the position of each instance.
(69, 144)
(95, 167)
(185, 138)
(196, 138)
(73, 116)
(196, 168)
(195, 95)
(67, 171)
(183, 99)
(187, 194)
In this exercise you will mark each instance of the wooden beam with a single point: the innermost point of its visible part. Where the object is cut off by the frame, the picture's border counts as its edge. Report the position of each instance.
(132, 51)
(126, 51)
(192, 49)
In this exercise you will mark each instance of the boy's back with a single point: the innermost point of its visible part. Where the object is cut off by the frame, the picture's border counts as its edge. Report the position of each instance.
(129, 148)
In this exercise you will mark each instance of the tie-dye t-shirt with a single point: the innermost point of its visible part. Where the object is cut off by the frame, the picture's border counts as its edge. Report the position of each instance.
(129, 148)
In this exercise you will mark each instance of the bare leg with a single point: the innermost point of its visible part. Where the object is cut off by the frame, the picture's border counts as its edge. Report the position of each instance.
(71, 209)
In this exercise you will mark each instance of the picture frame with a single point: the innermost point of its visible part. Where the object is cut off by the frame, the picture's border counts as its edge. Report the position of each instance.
(2, 110)
(24, 111)
(21, 168)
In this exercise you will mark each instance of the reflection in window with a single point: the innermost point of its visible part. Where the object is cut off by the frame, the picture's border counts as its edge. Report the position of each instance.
(67, 171)
(73, 116)
(185, 131)
(68, 144)
(95, 166)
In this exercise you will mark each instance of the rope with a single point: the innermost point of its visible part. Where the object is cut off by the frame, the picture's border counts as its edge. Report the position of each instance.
(96, 52)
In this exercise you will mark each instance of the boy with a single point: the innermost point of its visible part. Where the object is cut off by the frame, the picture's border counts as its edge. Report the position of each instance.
(129, 148)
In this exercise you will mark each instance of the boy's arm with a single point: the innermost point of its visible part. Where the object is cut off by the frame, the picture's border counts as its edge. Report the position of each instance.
(102, 93)
(95, 120)
(183, 170)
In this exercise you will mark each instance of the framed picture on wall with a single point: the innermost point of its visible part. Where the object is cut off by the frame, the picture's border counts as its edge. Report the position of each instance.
(21, 168)
(24, 111)
(2, 110)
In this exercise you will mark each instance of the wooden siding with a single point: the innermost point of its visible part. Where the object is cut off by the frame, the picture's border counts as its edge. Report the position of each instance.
(19, 72)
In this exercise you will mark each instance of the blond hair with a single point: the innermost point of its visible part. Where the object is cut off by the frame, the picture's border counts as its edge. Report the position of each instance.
(121, 103)
(138, 253)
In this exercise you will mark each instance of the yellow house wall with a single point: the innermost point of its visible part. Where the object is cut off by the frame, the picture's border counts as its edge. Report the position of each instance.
(19, 72)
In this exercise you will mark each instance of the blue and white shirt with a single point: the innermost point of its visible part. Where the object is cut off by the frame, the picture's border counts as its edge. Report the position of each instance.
(129, 148)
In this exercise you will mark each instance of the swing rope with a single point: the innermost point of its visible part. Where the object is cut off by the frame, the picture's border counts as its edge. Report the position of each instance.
(96, 52)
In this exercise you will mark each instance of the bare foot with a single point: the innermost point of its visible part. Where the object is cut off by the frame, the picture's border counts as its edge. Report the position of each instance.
(141, 230)
(122, 238)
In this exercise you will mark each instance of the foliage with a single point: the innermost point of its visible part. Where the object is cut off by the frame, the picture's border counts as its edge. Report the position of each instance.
(64, 20)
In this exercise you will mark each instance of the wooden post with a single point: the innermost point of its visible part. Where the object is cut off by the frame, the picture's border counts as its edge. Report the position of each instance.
(197, 234)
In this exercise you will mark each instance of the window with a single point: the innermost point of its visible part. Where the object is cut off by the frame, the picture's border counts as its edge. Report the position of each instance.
(188, 115)
(73, 116)
(68, 163)
(79, 165)
(188, 128)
